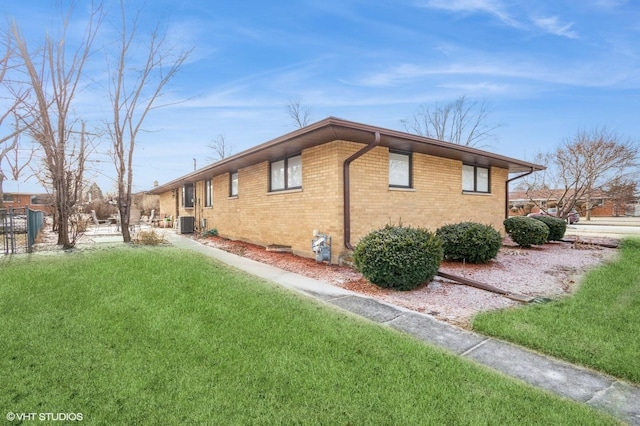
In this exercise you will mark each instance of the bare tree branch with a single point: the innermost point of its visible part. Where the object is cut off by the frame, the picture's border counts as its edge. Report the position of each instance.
(16, 94)
(588, 163)
(300, 114)
(221, 148)
(54, 83)
(461, 122)
(133, 93)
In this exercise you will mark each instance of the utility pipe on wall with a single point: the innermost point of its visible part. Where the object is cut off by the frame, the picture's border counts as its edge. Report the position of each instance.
(347, 190)
(506, 197)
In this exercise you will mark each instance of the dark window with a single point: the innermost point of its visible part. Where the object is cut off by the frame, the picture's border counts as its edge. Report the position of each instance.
(41, 199)
(286, 174)
(187, 195)
(7, 198)
(399, 170)
(475, 178)
(208, 193)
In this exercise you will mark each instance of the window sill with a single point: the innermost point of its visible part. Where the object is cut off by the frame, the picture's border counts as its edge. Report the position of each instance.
(286, 191)
(232, 197)
(476, 193)
(397, 188)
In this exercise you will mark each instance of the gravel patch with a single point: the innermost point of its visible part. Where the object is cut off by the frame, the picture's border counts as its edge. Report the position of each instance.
(549, 271)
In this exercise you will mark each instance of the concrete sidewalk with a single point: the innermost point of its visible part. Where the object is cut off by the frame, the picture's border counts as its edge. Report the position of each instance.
(597, 390)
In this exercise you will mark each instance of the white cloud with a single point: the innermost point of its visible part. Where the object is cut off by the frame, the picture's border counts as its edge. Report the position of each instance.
(492, 7)
(552, 25)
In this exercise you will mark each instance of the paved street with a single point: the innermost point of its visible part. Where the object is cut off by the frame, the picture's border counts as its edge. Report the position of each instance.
(606, 227)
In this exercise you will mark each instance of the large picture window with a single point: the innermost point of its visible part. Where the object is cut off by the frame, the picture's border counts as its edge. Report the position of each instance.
(286, 174)
(399, 170)
(475, 179)
(233, 185)
(208, 193)
(187, 195)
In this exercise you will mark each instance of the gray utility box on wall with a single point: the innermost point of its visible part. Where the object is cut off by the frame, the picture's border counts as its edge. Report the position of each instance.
(186, 224)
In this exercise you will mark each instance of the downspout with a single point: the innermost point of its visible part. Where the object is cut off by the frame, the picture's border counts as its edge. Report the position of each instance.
(506, 197)
(347, 188)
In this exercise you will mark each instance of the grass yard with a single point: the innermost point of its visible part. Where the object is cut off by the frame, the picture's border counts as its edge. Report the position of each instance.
(598, 327)
(162, 336)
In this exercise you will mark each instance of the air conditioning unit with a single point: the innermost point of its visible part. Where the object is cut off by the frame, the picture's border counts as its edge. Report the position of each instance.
(186, 224)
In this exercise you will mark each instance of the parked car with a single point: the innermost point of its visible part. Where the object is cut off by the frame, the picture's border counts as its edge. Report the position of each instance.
(572, 217)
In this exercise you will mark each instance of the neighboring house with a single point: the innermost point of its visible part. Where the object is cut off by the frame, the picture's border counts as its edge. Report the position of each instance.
(343, 179)
(24, 194)
(521, 202)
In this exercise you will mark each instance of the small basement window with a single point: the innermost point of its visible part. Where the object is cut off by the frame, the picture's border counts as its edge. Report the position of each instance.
(475, 179)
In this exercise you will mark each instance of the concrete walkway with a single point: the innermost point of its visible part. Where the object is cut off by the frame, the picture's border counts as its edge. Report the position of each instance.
(597, 390)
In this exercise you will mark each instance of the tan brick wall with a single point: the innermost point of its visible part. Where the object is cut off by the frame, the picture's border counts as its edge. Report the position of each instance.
(436, 198)
(290, 217)
(167, 204)
(287, 217)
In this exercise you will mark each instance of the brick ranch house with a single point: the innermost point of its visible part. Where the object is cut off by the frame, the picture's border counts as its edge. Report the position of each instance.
(343, 179)
(19, 195)
(523, 202)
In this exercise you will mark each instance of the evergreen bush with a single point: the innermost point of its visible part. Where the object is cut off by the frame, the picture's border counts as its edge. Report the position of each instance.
(557, 227)
(470, 241)
(213, 232)
(526, 231)
(398, 257)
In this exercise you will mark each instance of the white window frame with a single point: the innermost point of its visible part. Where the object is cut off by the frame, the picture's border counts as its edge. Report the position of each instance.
(208, 193)
(400, 164)
(233, 184)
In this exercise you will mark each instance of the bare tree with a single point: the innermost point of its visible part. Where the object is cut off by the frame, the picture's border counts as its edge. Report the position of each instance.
(133, 93)
(462, 122)
(54, 78)
(581, 166)
(300, 114)
(13, 94)
(221, 148)
(620, 193)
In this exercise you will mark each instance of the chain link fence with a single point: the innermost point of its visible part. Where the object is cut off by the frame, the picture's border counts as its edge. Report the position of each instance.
(19, 228)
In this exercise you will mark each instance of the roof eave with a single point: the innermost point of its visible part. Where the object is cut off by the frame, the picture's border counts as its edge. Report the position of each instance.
(331, 129)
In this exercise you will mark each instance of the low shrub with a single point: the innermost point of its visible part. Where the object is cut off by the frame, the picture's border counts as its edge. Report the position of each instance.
(526, 231)
(148, 238)
(398, 257)
(213, 232)
(470, 241)
(557, 227)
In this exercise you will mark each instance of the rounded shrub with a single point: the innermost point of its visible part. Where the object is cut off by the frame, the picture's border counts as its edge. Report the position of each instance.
(470, 241)
(557, 227)
(526, 231)
(398, 257)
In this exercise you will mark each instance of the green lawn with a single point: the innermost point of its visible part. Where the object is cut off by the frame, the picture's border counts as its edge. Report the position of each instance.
(163, 336)
(598, 327)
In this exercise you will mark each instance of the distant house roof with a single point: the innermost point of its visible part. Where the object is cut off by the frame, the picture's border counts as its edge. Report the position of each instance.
(17, 187)
(331, 129)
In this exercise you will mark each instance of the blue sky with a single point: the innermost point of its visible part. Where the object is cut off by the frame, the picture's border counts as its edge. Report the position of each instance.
(546, 69)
